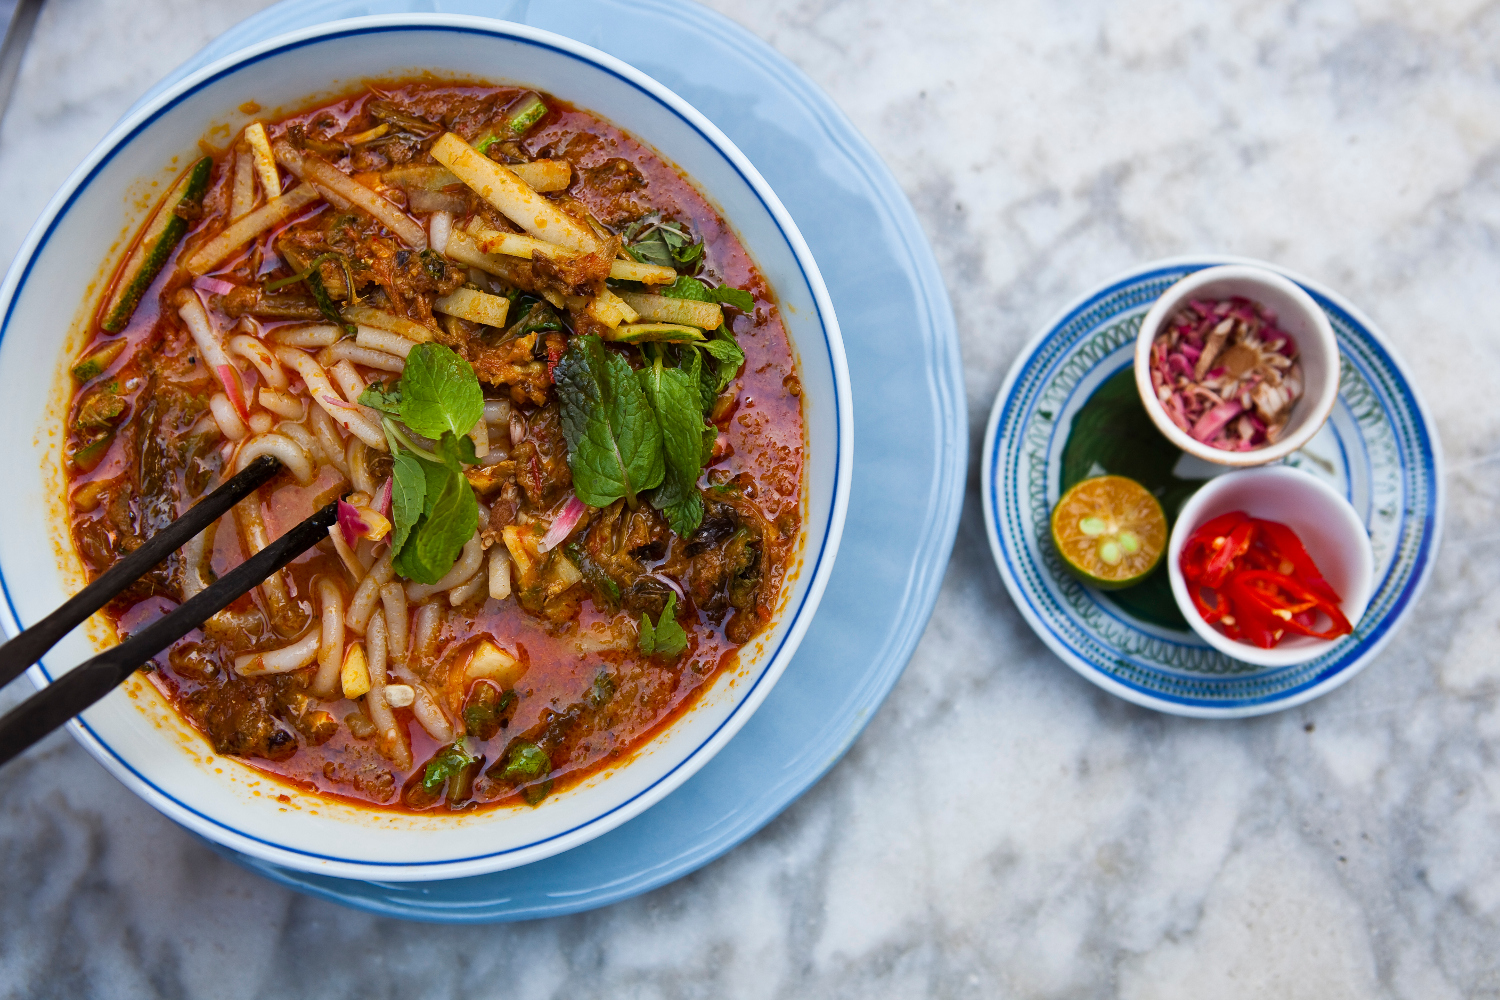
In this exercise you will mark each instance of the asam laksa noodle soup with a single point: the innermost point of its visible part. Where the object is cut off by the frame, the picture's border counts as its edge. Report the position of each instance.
(551, 388)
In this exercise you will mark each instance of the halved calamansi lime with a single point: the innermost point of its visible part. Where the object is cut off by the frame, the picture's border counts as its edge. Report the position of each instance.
(1110, 531)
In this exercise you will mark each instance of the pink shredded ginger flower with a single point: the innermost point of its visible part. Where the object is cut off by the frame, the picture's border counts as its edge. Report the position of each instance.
(1225, 373)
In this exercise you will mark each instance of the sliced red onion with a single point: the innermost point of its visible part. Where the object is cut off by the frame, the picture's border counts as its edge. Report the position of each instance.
(234, 389)
(1175, 410)
(215, 286)
(1208, 407)
(1214, 420)
(361, 522)
(563, 526)
(676, 587)
(350, 523)
(382, 503)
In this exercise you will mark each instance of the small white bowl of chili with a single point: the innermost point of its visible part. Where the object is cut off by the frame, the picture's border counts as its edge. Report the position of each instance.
(1326, 525)
(1249, 320)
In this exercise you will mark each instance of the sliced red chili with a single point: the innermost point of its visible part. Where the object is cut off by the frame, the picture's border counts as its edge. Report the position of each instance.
(1293, 603)
(1222, 525)
(1221, 562)
(1210, 612)
(1254, 620)
(1260, 580)
(1290, 548)
(1200, 547)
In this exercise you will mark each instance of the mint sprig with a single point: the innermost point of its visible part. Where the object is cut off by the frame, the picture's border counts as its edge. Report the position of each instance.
(433, 508)
(667, 244)
(691, 288)
(726, 352)
(439, 392)
(666, 638)
(674, 396)
(614, 439)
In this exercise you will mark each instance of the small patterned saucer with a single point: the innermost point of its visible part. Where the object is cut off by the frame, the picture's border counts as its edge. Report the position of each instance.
(1069, 409)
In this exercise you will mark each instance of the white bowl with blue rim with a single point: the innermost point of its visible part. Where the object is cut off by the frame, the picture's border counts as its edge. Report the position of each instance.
(1070, 408)
(1324, 522)
(1296, 314)
(134, 732)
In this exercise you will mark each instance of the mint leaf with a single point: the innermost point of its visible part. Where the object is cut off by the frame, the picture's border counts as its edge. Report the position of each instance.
(526, 762)
(408, 491)
(678, 405)
(539, 317)
(439, 392)
(456, 450)
(614, 440)
(722, 348)
(710, 438)
(435, 479)
(675, 235)
(314, 281)
(692, 288)
(652, 250)
(605, 588)
(668, 637)
(741, 300)
(684, 515)
(433, 508)
(646, 640)
(687, 288)
(450, 762)
(378, 397)
(689, 254)
(450, 515)
(634, 229)
(693, 365)
(726, 352)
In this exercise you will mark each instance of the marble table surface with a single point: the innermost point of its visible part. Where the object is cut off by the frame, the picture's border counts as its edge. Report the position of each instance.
(1003, 828)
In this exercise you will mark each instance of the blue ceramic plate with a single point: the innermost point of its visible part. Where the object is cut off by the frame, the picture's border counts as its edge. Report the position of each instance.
(1069, 408)
(908, 480)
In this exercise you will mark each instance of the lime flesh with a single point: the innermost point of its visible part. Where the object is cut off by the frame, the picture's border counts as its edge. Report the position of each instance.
(1109, 531)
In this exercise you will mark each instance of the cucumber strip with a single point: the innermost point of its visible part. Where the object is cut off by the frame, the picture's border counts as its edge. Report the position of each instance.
(641, 333)
(525, 113)
(157, 243)
(93, 366)
(88, 457)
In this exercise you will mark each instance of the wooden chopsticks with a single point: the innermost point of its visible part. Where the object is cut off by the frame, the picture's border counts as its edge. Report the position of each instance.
(85, 684)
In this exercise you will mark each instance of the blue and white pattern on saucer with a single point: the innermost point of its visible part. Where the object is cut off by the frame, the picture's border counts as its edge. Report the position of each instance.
(1379, 449)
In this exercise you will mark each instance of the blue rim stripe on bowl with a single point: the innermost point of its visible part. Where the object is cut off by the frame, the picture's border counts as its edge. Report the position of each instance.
(76, 185)
(1243, 693)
